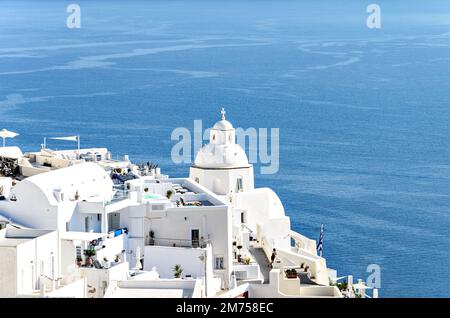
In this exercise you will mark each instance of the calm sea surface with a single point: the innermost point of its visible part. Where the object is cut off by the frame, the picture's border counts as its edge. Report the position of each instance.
(363, 114)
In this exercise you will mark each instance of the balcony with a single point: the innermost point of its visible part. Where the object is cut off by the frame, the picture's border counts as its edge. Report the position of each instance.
(171, 242)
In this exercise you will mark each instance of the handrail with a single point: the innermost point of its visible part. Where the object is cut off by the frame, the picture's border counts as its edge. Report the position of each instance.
(51, 279)
(249, 229)
(173, 242)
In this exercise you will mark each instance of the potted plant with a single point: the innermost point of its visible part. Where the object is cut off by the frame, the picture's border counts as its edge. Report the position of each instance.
(79, 260)
(105, 262)
(152, 237)
(169, 193)
(239, 247)
(177, 271)
(291, 273)
(90, 252)
(342, 286)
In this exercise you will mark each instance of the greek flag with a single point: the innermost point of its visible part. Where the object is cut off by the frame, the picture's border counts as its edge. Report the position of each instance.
(320, 243)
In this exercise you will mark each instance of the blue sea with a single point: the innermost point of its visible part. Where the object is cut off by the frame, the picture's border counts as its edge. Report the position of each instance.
(363, 113)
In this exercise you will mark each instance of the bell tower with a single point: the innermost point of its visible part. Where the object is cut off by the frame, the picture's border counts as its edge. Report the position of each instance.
(222, 165)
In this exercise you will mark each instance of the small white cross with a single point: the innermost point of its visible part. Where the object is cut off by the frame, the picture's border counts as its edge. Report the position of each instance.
(223, 112)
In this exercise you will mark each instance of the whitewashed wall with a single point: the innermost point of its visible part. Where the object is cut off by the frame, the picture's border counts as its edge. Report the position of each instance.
(165, 258)
(223, 181)
(31, 209)
(8, 272)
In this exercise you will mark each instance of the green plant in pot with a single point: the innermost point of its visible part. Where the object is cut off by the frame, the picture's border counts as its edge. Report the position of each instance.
(291, 273)
(90, 252)
(177, 271)
(342, 286)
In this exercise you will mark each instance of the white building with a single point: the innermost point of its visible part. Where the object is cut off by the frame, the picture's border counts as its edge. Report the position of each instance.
(213, 230)
(37, 263)
(222, 165)
(45, 160)
(195, 235)
(26, 255)
(70, 198)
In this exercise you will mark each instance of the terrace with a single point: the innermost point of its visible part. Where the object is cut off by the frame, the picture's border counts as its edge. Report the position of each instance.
(173, 242)
(179, 192)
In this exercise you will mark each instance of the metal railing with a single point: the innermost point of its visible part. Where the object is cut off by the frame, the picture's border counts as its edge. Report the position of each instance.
(352, 292)
(172, 242)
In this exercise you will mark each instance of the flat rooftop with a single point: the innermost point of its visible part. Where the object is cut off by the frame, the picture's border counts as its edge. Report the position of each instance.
(148, 293)
(80, 236)
(194, 193)
(15, 237)
(144, 288)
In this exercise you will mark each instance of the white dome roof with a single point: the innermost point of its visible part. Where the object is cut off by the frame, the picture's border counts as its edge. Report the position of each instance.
(222, 151)
(223, 125)
(221, 156)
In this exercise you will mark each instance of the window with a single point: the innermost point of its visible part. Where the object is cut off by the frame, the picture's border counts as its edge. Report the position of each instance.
(87, 224)
(78, 251)
(242, 217)
(214, 137)
(195, 238)
(157, 207)
(219, 262)
(239, 185)
(197, 179)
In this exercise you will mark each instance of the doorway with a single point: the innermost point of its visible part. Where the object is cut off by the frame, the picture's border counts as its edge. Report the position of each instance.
(195, 238)
(114, 221)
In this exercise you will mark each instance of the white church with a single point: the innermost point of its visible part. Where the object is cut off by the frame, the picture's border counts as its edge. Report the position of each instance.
(222, 165)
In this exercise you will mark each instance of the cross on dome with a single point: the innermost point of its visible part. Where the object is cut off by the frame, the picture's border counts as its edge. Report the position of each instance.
(223, 112)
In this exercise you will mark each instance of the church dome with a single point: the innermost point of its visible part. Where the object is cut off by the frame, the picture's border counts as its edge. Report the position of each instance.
(222, 150)
(221, 156)
(223, 125)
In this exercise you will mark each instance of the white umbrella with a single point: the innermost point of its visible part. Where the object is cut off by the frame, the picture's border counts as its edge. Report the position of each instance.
(7, 134)
(138, 258)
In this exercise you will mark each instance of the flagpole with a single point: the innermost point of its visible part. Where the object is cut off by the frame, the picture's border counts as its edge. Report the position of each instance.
(78, 140)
